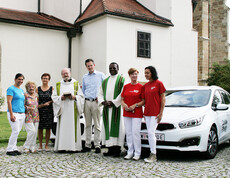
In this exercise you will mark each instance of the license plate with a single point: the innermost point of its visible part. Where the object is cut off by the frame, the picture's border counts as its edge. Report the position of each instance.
(159, 136)
(144, 136)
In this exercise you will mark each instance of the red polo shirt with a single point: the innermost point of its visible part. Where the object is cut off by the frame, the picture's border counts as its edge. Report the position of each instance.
(151, 92)
(132, 95)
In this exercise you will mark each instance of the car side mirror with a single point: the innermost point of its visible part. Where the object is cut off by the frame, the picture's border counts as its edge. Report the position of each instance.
(221, 107)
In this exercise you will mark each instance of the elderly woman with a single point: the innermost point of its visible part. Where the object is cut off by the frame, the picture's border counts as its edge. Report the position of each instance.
(45, 110)
(15, 113)
(154, 95)
(32, 117)
(132, 104)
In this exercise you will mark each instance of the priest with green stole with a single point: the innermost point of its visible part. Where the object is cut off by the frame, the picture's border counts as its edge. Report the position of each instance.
(109, 97)
(68, 104)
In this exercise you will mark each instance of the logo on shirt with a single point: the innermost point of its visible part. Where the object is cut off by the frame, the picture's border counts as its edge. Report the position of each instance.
(152, 88)
(135, 91)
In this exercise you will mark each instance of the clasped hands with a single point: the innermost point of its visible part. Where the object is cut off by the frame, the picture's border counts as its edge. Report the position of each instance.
(108, 104)
(130, 108)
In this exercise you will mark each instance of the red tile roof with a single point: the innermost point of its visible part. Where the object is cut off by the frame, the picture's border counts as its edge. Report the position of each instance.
(33, 19)
(124, 8)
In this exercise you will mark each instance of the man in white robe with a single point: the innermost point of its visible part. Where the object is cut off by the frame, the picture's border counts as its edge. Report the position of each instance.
(113, 132)
(68, 104)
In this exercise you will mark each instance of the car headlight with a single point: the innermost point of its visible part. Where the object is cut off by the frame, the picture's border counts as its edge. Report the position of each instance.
(191, 122)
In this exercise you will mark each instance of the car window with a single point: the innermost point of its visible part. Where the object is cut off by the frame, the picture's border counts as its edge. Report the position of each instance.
(187, 98)
(216, 99)
(225, 96)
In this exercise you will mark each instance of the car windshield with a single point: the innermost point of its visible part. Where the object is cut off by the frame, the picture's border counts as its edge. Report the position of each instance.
(187, 98)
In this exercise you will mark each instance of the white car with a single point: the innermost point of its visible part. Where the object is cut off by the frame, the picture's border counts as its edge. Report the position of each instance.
(194, 119)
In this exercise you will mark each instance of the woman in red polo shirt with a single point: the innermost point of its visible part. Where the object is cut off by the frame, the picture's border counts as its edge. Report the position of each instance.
(153, 93)
(132, 104)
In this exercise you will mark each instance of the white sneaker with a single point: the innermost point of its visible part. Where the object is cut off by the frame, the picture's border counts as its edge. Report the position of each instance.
(136, 157)
(128, 156)
(152, 158)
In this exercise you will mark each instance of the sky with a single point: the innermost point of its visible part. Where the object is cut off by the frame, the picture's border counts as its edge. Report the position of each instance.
(228, 3)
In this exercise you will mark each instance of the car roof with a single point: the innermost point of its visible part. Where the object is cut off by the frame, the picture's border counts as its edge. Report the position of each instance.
(213, 87)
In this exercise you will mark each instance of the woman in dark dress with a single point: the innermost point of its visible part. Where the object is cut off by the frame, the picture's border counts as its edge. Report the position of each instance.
(45, 110)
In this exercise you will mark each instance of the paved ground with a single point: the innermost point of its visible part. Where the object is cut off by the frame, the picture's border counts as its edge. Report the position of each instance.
(50, 164)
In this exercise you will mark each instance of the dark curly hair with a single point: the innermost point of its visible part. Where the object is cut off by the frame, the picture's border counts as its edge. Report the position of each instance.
(153, 72)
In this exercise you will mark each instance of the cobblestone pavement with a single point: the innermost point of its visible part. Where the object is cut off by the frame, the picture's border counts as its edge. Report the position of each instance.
(50, 164)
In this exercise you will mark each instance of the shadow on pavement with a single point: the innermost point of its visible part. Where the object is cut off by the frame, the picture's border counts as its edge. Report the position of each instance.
(169, 155)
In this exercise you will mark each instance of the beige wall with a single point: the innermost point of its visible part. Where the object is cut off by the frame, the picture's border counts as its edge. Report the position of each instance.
(32, 52)
(111, 38)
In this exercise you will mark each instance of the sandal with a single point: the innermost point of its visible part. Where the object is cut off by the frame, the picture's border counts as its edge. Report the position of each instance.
(39, 149)
(26, 150)
(47, 149)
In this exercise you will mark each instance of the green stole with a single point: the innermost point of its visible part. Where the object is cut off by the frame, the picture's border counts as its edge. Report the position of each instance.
(58, 86)
(116, 112)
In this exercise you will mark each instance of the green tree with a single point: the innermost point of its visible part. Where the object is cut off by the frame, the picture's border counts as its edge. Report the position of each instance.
(220, 75)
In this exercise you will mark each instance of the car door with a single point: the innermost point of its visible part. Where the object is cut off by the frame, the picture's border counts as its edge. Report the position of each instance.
(226, 126)
(221, 116)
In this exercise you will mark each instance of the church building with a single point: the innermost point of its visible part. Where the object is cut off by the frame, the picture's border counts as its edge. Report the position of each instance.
(38, 36)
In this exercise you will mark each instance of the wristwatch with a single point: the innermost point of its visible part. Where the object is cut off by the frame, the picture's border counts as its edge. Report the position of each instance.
(137, 105)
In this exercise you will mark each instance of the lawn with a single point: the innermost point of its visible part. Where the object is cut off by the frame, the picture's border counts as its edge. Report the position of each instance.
(5, 132)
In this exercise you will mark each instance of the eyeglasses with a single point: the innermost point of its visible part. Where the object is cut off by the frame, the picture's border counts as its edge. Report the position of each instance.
(45, 78)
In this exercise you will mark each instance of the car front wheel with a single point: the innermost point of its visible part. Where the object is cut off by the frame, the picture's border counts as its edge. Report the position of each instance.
(212, 143)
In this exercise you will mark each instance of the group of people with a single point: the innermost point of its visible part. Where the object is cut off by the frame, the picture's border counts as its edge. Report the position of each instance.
(34, 108)
(99, 97)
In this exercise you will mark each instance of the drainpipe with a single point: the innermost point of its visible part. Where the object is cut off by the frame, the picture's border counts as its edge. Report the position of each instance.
(80, 7)
(194, 4)
(70, 34)
(39, 6)
(70, 52)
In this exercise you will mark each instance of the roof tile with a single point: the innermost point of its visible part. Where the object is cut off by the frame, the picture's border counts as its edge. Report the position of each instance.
(32, 18)
(125, 8)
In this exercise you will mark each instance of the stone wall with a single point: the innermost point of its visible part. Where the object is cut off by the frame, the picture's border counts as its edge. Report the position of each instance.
(218, 24)
(201, 24)
(210, 20)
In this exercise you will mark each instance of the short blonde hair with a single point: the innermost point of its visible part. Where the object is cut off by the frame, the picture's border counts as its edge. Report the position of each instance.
(132, 70)
(30, 83)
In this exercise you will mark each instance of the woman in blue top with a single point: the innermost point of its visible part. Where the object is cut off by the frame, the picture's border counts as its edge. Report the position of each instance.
(15, 113)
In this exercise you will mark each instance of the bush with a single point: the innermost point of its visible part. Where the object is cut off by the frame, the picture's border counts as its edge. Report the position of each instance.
(220, 75)
(2, 99)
